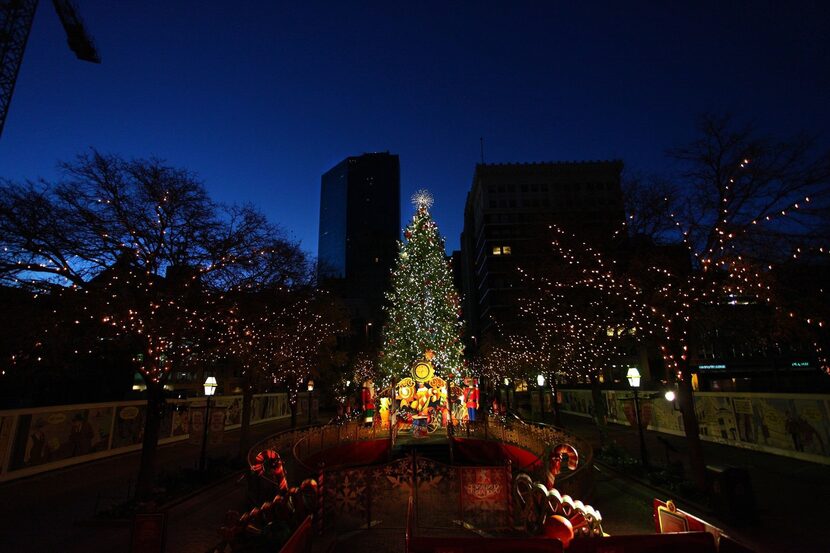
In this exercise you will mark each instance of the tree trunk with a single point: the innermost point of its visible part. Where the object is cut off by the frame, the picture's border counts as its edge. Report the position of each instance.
(292, 403)
(600, 413)
(557, 419)
(692, 428)
(245, 423)
(152, 422)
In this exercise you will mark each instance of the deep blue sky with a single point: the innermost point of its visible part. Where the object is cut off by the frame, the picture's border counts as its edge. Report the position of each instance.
(260, 99)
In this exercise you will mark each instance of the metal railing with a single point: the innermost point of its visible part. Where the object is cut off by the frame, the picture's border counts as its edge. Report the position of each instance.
(539, 439)
(364, 489)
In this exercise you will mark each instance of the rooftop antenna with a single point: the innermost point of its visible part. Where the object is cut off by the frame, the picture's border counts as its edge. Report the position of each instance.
(481, 140)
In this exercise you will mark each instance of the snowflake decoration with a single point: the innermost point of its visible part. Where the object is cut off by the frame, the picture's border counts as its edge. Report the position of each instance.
(422, 199)
(351, 494)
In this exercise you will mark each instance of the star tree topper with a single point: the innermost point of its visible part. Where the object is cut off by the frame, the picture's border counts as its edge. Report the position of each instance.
(422, 199)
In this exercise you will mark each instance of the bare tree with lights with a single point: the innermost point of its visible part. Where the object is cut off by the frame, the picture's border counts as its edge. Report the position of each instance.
(139, 242)
(301, 341)
(746, 204)
(721, 233)
(571, 325)
(741, 207)
(244, 306)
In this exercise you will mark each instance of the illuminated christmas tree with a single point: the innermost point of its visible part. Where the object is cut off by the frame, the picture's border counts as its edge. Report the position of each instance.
(422, 311)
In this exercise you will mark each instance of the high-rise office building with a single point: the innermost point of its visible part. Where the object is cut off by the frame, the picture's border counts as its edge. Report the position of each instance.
(360, 218)
(506, 219)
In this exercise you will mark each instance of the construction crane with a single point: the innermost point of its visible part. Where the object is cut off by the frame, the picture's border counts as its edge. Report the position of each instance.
(16, 17)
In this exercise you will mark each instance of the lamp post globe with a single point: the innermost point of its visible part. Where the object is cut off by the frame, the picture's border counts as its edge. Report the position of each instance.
(210, 386)
(540, 381)
(633, 376)
(310, 388)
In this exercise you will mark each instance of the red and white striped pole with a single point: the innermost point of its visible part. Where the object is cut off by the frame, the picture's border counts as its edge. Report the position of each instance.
(280, 477)
(321, 475)
(509, 477)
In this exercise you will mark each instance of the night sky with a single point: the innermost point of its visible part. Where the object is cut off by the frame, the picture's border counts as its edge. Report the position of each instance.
(260, 100)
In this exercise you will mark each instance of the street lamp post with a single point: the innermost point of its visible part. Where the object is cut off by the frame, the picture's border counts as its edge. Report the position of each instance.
(540, 380)
(633, 377)
(210, 388)
(310, 392)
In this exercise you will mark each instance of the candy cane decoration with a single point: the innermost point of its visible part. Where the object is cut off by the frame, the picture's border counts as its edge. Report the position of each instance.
(282, 507)
(321, 473)
(269, 465)
(557, 455)
(509, 473)
(280, 477)
(552, 514)
(265, 462)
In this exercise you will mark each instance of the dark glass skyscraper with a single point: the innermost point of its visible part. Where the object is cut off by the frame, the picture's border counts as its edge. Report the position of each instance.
(360, 218)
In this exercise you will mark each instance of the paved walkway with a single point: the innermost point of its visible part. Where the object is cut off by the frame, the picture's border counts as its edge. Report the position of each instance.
(41, 513)
(625, 507)
(47, 512)
(791, 495)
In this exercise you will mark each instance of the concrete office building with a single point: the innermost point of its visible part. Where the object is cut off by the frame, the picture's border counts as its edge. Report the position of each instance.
(506, 218)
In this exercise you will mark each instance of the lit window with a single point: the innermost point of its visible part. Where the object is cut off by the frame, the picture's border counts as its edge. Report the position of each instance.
(506, 250)
(496, 250)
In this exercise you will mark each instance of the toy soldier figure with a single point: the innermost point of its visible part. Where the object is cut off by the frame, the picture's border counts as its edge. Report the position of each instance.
(368, 397)
(471, 397)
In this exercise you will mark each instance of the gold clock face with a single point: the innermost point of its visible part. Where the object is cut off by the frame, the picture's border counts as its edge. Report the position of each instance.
(422, 371)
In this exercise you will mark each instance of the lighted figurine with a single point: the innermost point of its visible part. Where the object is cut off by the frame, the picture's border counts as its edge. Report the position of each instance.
(434, 398)
(405, 391)
(422, 397)
(459, 407)
(368, 397)
(384, 412)
(445, 411)
(471, 397)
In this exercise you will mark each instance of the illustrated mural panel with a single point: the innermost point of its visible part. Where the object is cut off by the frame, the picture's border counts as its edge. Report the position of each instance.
(40, 437)
(756, 421)
(5, 439)
(233, 410)
(181, 426)
(129, 426)
(56, 435)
